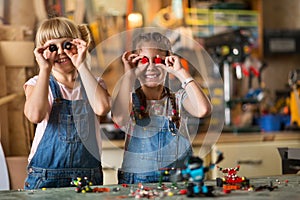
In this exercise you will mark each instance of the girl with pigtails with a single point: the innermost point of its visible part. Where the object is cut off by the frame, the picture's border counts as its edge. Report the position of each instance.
(152, 114)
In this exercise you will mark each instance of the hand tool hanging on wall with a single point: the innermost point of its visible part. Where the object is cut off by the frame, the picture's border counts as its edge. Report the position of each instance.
(229, 50)
(294, 80)
(253, 68)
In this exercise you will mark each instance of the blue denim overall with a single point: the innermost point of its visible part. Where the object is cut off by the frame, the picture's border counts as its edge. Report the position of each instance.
(61, 155)
(150, 149)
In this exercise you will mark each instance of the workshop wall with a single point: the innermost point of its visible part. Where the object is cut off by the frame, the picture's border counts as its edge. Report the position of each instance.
(20, 13)
(16, 65)
(280, 15)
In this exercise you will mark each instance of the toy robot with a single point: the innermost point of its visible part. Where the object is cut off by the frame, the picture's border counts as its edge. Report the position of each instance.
(231, 181)
(194, 172)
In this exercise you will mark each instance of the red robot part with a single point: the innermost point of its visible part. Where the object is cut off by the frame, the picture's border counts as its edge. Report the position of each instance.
(231, 181)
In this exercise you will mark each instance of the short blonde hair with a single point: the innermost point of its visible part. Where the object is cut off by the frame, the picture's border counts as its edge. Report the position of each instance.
(61, 27)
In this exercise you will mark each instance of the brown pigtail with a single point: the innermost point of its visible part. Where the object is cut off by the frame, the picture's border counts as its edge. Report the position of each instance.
(142, 113)
(143, 102)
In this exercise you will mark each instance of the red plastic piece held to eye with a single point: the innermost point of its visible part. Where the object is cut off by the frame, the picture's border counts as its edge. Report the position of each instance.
(157, 60)
(144, 60)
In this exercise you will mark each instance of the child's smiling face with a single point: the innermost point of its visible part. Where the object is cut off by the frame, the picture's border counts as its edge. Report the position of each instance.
(61, 62)
(152, 73)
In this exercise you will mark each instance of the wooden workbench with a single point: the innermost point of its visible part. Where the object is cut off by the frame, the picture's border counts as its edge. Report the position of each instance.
(286, 187)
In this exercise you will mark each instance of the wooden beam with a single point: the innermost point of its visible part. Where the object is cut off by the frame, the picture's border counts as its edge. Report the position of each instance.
(9, 98)
(40, 10)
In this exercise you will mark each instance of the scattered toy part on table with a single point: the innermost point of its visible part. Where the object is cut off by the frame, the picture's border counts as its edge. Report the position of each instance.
(151, 191)
(193, 175)
(82, 184)
(166, 172)
(231, 181)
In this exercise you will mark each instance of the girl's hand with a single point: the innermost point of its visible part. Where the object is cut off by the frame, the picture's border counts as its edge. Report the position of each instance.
(173, 66)
(77, 53)
(44, 57)
(131, 63)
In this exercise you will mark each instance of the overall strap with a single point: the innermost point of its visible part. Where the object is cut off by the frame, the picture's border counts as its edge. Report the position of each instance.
(54, 88)
(84, 95)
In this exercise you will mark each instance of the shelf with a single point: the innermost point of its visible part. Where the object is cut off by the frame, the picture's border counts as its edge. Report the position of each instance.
(208, 22)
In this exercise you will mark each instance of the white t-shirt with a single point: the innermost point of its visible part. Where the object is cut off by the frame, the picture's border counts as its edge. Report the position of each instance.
(67, 93)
